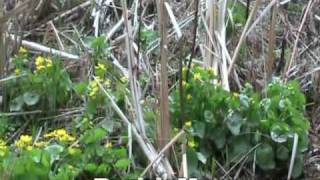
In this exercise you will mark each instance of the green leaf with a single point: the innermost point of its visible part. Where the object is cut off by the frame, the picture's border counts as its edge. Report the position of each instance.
(218, 135)
(277, 134)
(282, 153)
(234, 122)
(54, 151)
(198, 129)
(265, 157)
(17, 104)
(122, 163)
(239, 145)
(298, 166)
(201, 157)
(90, 167)
(192, 161)
(31, 98)
(80, 88)
(107, 125)
(244, 100)
(103, 169)
(94, 135)
(209, 117)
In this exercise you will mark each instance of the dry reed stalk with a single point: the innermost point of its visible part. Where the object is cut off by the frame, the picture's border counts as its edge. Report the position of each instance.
(164, 126)
(271, 45)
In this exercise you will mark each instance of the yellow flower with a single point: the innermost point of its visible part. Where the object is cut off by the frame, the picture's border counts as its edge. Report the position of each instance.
(29, 148)
(191, 144)
(212, 71)
(192, 64)
(3, 148)
(235, 94)
(101, 66)
(40, 60)
(49, 62)
(107, 83)
(108, 145)
(99, 79)
(40, 144)
(185, 84)
(17, 71)
(42, 63)
(189, 97)
(93, 88)
(184, 70)
(24, 141)
(71, 151)
(124, 79)
(23, 50)
(188, 124)
(60, 134)
(197, 76)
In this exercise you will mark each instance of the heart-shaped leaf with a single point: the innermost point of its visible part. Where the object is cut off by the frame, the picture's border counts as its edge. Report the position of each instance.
(31, 98)
(234, 122)
(16, 104)
(265, 157)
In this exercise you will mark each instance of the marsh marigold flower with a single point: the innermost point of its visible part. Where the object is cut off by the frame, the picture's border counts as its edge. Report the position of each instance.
(197, 76)
(43, 63)
(189, 97)
(3, 148)
(101, 67)
(188, 124)
(23, 50)
(60, 134)
(191, 143)
(24, 141)
(108, 145)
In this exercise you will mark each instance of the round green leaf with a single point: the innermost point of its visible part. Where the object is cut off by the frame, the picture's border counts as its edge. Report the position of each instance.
(16, 104)
(265, 157)
(234, 122)
(122, 163)
(282, 153)
(31, 98)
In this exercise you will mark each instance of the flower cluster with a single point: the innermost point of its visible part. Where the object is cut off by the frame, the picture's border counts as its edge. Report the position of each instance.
(94, 88)
(61, 135)
(23, 50)
(40, 144)
(25, 141)
(17, 71)
(43, 63)
(108, 145)
(191, 143)
(101, 67)
(3, 148)
(197, 77)
(124, 79)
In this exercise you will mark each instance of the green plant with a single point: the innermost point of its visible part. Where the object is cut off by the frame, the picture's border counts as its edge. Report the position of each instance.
(47, 86)
(56, 155)
(90, 150)
(146, 37)
(225, 126)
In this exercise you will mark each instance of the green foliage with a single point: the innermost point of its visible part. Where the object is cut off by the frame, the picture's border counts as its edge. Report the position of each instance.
(146, 37)
(225, 126)
(47, 86)
(236, 17)
(89, 151)
(61, 160)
